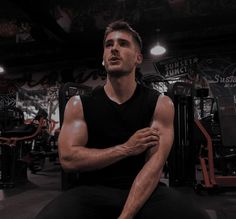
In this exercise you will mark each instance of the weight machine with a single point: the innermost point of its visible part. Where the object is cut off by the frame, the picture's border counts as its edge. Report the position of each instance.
(13, 166)
(181, 161)
(218, 157)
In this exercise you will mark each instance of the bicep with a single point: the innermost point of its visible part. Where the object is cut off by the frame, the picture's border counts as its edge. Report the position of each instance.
(163, 119)
(74, 128)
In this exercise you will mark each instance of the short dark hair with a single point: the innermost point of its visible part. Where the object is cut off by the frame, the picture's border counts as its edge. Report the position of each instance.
(123, 26)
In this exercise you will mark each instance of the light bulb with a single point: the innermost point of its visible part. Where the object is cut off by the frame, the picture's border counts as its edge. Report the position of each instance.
(158, 50)
(1, 70)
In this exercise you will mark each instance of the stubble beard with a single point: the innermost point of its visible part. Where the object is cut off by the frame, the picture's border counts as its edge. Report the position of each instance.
(117, 74)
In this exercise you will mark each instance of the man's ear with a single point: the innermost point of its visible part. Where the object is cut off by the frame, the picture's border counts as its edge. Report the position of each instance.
(139, 58)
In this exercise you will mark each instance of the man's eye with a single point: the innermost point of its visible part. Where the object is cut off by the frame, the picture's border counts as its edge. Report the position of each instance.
(108, 45)
(123, 43)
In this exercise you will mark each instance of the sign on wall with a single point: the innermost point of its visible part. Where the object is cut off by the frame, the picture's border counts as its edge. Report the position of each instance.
(218, 73)
(176, 67)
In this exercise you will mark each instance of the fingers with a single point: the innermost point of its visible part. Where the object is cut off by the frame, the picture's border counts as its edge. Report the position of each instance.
(148, 137)
(142, 140)
(147, 131)
(151, 144)
(151, 141)
(148, 134)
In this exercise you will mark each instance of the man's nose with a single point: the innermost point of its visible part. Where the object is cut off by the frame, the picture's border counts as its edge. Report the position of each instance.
(115, 46)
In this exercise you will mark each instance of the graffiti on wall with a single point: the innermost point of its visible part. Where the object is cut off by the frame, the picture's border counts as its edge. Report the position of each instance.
(32, 92)
(213, 75)
(7, 93)
(220, 74)
(31, 101)
(216, 73)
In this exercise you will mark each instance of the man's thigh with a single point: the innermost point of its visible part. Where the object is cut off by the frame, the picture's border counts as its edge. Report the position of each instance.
(167, 203)
(86, 202)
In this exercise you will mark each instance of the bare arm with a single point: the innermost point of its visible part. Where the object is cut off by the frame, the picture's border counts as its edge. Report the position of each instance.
(148, 178)
(73, 153)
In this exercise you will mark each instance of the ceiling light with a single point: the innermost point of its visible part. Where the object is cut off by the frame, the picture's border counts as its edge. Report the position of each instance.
(1, 70)
(158, 50)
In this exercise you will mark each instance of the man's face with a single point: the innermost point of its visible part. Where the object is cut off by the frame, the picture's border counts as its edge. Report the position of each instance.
(121, 54)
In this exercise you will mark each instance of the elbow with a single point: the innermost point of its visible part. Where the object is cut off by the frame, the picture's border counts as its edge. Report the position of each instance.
(69, 164)
(66, 159)
(71, 159)
(66, 165)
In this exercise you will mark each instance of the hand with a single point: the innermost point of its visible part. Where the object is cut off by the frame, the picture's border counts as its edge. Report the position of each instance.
(141, 140)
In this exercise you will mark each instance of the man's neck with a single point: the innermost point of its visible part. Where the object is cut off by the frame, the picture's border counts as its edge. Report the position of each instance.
(120, 89)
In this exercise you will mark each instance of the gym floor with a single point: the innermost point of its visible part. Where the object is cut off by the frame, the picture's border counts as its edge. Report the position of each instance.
(25, 200)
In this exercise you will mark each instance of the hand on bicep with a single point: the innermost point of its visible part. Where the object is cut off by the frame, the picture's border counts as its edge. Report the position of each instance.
(141, 140)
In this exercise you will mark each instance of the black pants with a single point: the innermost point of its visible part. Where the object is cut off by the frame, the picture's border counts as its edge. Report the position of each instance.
(99, 202)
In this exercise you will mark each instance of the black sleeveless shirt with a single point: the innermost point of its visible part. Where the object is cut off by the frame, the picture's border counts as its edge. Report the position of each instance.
(110, 124)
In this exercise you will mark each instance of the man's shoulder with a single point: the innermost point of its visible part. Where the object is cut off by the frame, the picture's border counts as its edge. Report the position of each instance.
(165, 104)
(73, 107)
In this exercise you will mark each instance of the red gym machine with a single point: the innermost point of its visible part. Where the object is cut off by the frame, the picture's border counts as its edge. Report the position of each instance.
(10, 149)
(213, 180)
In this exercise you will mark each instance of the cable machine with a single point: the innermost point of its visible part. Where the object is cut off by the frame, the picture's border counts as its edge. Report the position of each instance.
(181, 162)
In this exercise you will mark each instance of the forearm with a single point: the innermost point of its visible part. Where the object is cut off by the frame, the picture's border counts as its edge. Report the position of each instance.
(147, 179)
(149, 176)
(142, 188)
(74, 155)
(86, 159)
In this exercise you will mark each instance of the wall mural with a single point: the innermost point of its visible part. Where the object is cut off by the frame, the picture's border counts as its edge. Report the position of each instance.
(220, 74)
(40, 91)
(32, 92)
(216, 74)
(7, 92)
(30, 101)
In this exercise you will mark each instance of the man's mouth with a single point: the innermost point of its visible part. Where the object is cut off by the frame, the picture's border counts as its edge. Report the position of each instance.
(114, 59)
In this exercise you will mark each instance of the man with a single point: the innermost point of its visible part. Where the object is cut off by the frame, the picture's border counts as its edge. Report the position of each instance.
(118, 138)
